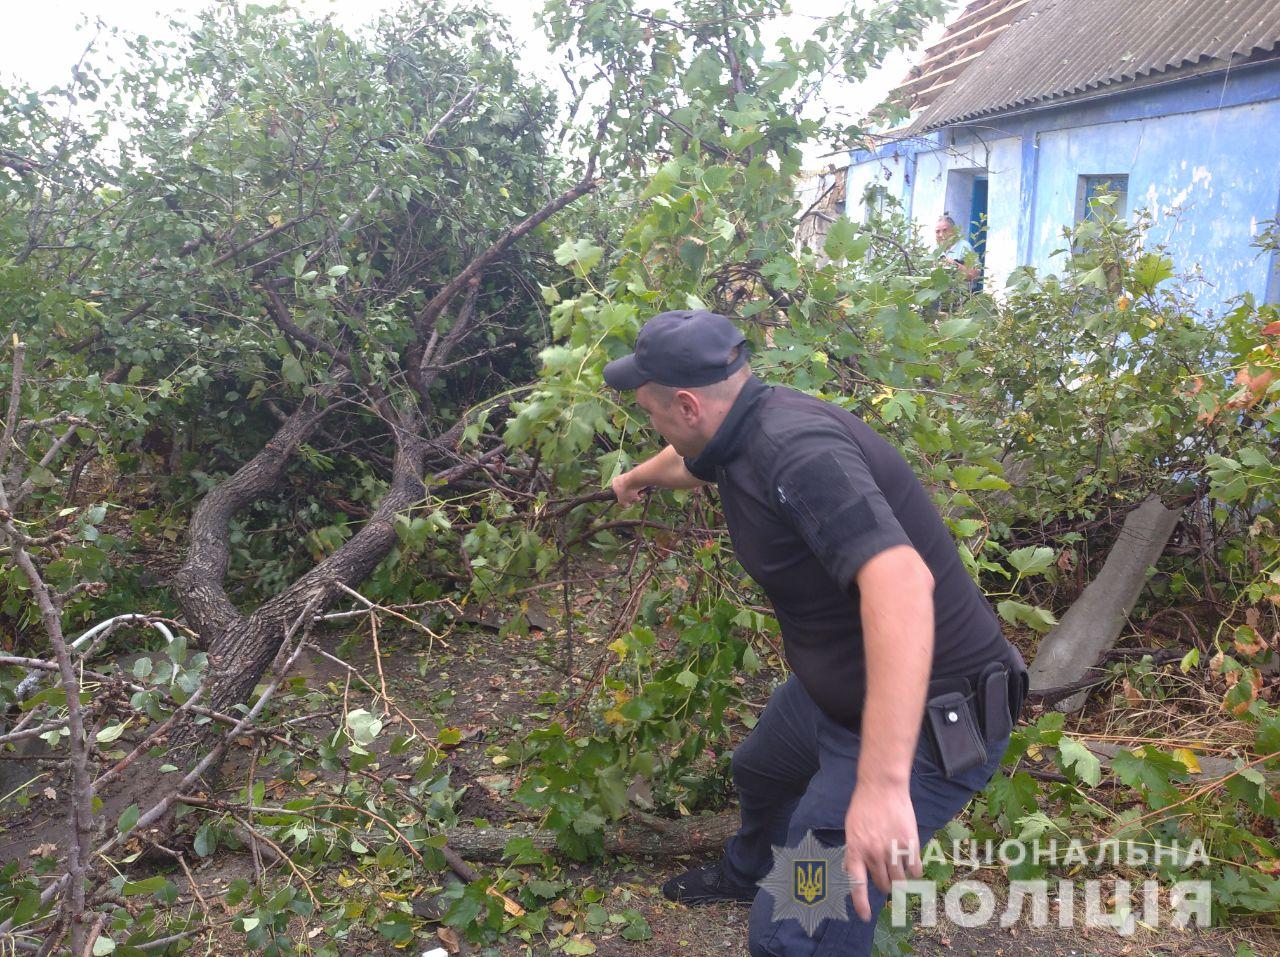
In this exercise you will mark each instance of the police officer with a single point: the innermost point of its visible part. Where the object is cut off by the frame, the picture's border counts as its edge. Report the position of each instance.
(883, 629)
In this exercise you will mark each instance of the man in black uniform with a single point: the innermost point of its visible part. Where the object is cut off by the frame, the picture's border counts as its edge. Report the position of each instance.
(882, 627)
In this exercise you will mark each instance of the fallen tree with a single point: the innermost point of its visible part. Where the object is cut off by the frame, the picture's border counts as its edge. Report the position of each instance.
(296, 294)
(334, 273)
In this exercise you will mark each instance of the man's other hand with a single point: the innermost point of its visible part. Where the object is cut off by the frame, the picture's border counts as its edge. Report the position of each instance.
(624, 491)
(882, 842)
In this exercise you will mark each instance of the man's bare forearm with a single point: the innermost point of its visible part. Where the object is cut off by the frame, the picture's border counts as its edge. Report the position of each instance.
(664, 470)
(897, 626)
(880, 827)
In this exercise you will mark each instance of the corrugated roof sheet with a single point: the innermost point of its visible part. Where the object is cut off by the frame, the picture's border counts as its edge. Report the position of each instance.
(978, 24)
(1062, 48)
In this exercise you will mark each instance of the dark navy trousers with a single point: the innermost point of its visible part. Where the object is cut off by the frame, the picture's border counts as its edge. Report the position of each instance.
(796, 772)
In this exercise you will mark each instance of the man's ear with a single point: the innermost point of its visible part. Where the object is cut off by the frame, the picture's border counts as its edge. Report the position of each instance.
(689, 405)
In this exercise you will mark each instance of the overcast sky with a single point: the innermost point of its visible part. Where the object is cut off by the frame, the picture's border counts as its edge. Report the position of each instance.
(40, 42)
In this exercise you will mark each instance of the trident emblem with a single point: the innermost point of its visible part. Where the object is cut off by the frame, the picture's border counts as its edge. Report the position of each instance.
(810, 882)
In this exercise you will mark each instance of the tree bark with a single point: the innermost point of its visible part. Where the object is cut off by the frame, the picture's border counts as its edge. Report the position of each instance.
(241, 646)
(199, 581)
(653, 839)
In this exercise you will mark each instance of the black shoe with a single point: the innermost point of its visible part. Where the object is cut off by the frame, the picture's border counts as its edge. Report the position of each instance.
(706, 885)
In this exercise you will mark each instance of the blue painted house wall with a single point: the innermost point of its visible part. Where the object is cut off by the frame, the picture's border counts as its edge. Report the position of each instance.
(1202, 155)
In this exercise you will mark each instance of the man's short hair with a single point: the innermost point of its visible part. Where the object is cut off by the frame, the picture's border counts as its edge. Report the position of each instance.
(716, 390)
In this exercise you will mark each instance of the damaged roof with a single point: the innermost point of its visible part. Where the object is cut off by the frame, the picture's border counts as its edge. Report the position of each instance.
(965, 38)
(1057, 49)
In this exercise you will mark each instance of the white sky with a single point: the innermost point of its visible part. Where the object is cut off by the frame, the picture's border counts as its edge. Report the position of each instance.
(39, 41)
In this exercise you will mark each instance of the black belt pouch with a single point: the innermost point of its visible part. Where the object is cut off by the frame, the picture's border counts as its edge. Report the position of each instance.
(994, 698)
(953, 730)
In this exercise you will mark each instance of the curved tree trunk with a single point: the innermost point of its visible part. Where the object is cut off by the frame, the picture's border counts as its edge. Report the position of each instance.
(242, 653)
(199, 581)
(241, 647)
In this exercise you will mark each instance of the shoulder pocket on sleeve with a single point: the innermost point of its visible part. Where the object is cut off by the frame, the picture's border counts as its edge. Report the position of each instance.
(827, 506)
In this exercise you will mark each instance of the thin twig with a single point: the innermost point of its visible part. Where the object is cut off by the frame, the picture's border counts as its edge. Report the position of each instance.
(374, 606)
(161, 807)
(279, 853)
(81, 803)
(377, 658)
(15, 395)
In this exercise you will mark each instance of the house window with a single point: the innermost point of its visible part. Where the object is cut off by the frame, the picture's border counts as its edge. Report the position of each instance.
(1102, 197)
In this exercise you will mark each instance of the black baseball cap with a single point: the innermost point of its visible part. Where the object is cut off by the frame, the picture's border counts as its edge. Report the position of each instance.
(683, 348)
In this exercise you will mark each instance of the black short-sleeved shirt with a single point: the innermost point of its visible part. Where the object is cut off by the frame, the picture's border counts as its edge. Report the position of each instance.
(811, 492)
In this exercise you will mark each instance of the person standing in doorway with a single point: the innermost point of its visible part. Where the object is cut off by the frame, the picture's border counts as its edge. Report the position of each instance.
(957, 251)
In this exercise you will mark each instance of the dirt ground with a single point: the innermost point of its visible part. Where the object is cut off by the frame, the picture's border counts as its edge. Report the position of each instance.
(495, 681)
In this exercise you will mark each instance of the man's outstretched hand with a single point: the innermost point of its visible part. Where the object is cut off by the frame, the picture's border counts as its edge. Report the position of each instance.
(881, 840)
(624, 491)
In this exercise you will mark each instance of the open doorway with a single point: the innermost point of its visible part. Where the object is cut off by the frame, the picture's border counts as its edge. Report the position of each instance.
(967, 205)
(978, 224)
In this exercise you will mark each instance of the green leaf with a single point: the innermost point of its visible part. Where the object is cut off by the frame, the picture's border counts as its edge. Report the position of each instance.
(103, 946)
(397, 928)
(579, 946)
(687, 679)
(1085, 763)
(717, 177)
(1151, 269)
(148, 886)
(974, 477)
(1016, 612)
(206, 840)
(582, 254)
(337, 272)
(957, 328)
(291, 368)
(663, 181)
(448, 737)
(464, 911)
(1033, 825)
(1094, 277)
(110, 733)
(844, 242)
(693, 253)
(128, 819)
(41, 477)
(1151, 772)
(521, 850)
(1013, 796)
(544, 889)
(637, 927)
(363, 726)
(588, 822)
(1032, 560)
